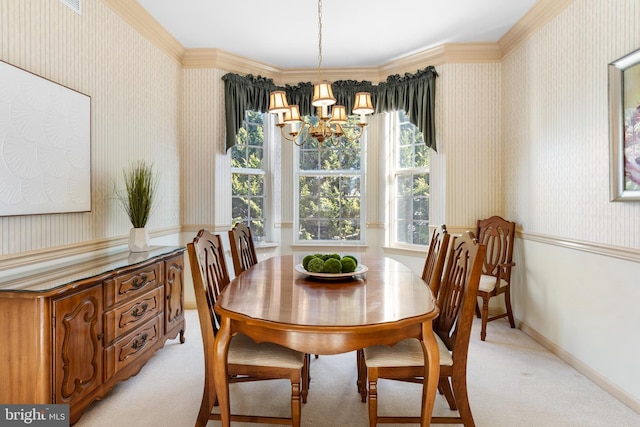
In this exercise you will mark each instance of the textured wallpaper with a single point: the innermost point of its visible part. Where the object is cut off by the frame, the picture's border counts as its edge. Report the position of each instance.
(136, 98)
(555, 124)
(467, 171)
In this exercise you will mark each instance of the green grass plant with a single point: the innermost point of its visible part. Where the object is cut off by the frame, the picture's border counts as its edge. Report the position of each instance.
(139, 194)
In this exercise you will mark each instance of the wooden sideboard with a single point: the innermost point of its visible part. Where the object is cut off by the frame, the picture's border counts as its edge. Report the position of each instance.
(70, 330)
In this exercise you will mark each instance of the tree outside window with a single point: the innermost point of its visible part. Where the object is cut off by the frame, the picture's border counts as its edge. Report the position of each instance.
(248, 175)
(329, 183)
(411, 184)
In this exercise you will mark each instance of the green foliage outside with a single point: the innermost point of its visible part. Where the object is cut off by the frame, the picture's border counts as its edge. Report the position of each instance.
(247, 188)
(412, 187)
(330, 189)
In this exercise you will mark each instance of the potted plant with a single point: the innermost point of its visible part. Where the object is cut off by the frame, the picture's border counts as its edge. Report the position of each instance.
(137, 200)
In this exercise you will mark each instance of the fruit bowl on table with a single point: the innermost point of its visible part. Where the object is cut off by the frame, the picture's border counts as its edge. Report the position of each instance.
(331, 276)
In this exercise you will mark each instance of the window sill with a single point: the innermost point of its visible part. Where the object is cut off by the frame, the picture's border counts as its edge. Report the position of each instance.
(333, 247)
(265, 245)
(409, 251)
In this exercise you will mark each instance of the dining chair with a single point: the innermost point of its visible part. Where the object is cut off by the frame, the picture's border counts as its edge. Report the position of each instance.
(431, 274)
(247, 360)
(452, 329)
(436, 255)
(497, 234)
(243, 251)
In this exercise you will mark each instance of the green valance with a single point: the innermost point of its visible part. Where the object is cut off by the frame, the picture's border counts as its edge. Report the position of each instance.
(413, 93)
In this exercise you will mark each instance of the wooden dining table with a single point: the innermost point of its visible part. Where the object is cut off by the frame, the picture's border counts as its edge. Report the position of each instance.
(274, 302)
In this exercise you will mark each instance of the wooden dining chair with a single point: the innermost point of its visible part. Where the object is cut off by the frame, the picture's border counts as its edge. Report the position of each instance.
(498, 235)
(247, 360)
(243, 250)
(452, 329)
(431, 274)
(434, 263)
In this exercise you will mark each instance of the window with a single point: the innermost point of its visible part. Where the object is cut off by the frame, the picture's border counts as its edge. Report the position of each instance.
(248, 175)
(329, 181)
(410, 189)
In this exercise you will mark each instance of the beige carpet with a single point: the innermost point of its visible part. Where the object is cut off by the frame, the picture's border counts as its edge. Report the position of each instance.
(513, 382)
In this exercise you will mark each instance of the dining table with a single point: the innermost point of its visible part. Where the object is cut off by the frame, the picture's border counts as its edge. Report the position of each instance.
(278, 301)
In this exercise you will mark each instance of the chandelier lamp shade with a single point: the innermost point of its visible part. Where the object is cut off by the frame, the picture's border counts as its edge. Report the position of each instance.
(330, 122)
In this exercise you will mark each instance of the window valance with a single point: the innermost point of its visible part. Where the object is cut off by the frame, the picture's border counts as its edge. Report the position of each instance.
(413, 93)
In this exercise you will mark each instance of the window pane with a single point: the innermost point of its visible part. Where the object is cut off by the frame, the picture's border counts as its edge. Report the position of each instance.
(239, 184)
(404, 231)
(420, 184)
(329, 178)
(309, 160)
(420, 208)
(308, 230)
(420, 233)
(403, 208)
(411, 206)
(336, 207)
(248, 189)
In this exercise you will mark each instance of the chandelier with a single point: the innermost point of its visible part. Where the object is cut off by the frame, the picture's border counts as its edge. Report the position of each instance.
(330, 123)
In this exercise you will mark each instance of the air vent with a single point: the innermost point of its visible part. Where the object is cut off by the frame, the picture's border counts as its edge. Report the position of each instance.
(74, 4)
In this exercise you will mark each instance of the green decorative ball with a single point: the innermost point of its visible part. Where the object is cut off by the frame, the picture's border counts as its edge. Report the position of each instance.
(305, 261)
(316, 265)
(332, 265)
(352, 257)
(348, 265)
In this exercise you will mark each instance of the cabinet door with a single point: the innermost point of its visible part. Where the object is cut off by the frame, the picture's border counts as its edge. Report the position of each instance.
(78, 348)
(174, 292)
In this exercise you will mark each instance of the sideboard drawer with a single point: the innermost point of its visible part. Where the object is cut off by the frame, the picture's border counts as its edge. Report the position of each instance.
(130, 285)
(126, 317)
(130, 347)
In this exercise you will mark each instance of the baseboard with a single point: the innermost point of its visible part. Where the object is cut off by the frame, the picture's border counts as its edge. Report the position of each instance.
(585, 370)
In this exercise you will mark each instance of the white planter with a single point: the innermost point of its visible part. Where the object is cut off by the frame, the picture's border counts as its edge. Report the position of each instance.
(139, 240)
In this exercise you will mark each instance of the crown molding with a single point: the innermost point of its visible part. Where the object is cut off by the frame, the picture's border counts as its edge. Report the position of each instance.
(223, 60)
(141, 21)
(540, 14)
(444, 54)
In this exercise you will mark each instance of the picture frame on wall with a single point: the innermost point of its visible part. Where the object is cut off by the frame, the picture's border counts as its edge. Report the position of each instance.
(45, 145)
(624, 128)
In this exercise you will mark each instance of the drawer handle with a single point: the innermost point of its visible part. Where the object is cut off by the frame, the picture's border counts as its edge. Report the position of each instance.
(141, 284)
(140, 343)
(137, 313)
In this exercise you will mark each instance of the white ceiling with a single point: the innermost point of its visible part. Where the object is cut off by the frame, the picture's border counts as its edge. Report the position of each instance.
(355, 33)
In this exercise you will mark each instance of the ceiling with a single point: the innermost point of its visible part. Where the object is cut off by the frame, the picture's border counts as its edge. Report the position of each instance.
(355, 33)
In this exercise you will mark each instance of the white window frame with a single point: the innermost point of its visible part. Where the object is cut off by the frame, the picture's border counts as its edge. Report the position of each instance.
(267, 125)
(323, 173)
(394, 171)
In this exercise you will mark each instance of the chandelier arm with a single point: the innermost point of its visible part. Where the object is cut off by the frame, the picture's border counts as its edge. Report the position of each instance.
(293, 136)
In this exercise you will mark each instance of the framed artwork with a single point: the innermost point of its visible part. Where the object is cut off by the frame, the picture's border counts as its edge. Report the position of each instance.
(624, 127)
(45, 145)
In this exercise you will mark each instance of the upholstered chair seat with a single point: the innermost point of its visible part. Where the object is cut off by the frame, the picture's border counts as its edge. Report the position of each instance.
(244, 351)
(405, 353)
(488, 283)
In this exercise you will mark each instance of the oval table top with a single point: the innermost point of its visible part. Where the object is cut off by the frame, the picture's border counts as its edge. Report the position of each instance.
(273, 291)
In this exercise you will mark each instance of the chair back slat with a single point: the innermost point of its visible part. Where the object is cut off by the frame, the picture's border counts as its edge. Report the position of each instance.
(458, 290)
(243, 251)
(209, 273)
(434, 263)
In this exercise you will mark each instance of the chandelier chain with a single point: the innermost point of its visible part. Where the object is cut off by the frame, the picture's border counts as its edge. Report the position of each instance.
(319, 40)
